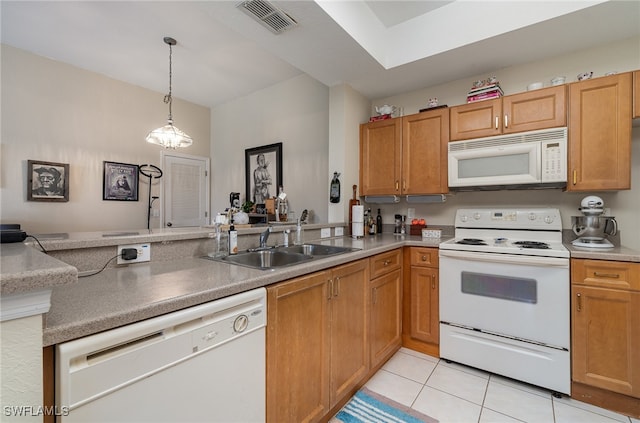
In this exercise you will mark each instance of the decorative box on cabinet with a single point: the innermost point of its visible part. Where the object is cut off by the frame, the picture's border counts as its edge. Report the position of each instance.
(420, 321)
(600, 133)
(393, 154)
(317, 342)
(606, 334)
(528, 111)
(386, 306)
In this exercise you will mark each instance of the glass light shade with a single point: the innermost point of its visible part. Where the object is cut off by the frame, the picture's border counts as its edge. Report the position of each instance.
(169, 136)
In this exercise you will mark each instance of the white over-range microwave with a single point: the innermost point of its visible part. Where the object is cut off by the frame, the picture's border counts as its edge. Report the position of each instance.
(535, 159)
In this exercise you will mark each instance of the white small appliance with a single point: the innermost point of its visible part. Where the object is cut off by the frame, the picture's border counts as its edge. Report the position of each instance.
(357, 221)
(592, 228)
(535, 159)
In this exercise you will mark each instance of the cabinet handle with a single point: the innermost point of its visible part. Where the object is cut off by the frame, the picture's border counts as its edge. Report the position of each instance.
(330, 289)
(606, 275)
(336, 287)
(433, 281)
(497, 122)
(506, 121)
(397, 185)
(579, 301)
(575, 177)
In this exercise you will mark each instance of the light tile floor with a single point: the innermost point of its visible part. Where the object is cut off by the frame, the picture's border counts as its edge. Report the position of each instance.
(452, 393)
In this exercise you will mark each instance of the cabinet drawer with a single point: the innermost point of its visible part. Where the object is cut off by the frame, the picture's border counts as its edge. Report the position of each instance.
(606, 274)
(385, 263)
(426, 257)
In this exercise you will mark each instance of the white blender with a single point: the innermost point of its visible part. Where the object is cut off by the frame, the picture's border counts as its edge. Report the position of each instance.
(592, 228)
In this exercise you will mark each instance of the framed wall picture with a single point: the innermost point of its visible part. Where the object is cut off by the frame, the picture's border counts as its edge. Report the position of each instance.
(47, 181)
(120, 182)
(263, 167)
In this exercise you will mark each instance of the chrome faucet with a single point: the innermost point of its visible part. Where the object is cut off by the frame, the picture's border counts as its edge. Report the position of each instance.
(264, 236)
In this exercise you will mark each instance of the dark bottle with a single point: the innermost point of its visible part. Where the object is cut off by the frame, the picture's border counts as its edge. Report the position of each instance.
(334, 191)
(379, 223)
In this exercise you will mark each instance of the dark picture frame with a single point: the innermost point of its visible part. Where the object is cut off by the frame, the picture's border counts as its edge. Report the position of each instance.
(260, 184)
(120, 181)
(47, 181)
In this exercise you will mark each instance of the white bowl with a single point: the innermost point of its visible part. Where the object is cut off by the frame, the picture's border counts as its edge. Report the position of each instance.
(558, 80)
(534, 86)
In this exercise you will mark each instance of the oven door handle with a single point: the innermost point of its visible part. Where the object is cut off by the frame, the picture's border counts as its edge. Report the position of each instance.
(507, 258)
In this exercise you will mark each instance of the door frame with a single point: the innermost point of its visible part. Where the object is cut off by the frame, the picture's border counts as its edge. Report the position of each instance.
(164, 154)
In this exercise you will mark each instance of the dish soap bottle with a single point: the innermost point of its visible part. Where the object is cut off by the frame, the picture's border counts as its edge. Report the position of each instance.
(233, 239)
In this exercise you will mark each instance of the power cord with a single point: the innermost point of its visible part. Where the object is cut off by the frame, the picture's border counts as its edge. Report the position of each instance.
(43, 249)
(104, 267)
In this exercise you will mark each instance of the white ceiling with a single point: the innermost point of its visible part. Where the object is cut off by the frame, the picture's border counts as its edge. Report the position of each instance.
(380, 48)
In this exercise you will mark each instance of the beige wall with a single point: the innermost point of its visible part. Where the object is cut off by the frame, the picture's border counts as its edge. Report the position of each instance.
(55, 112)
(625, 205)
(296, 113)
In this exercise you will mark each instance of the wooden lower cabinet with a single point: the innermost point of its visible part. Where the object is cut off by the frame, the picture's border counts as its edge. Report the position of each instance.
(606, 333)
(420, 322)
(317, 342)
(386, 307)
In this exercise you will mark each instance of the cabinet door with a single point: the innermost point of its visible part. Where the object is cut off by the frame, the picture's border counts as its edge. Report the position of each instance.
(424, 152)
(298, 349)
(386, 309)
(600, 134)
(538, 109)
(424, 305)
(475, 120)
(606, 338)
(636, 94)
(380, 157)
(349, 326)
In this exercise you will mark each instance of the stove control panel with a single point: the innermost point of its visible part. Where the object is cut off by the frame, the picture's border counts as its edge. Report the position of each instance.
(530, 218)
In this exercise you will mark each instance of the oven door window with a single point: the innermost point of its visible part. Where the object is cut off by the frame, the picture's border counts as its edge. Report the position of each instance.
(503, 287)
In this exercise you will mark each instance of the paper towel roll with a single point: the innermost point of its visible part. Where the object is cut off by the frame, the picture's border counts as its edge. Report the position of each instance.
(357, 229)
(357, 214)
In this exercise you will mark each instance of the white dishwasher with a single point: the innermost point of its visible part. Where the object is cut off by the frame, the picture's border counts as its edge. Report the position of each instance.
(202, 364)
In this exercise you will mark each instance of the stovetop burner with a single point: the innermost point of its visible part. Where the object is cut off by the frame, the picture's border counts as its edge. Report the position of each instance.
(471, 241)
(532, 244)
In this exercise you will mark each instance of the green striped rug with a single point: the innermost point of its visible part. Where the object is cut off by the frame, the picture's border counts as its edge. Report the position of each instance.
(367, 406)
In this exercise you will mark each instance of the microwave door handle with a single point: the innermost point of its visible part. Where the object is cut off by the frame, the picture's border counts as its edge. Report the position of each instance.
(506, 259)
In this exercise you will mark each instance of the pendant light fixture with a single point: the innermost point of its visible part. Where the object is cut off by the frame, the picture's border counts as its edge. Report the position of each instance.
(169, 136)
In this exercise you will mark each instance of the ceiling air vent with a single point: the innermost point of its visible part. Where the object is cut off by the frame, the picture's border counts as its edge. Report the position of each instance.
(268, 15)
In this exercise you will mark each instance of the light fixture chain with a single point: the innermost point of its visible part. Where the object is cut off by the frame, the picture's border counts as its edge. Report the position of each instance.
(167, 98)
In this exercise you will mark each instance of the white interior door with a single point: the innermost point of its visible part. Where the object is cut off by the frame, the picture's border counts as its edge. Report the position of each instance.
(185, 189)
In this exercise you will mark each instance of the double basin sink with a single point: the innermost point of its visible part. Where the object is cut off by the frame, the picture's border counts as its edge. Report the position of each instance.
(278, 257)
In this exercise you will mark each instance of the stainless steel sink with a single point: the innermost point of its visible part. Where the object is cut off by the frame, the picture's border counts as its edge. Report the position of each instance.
(266, 259)
(316, 249)
(282, 256)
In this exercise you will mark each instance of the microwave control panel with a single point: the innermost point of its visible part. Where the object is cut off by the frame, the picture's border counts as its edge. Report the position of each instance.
(554, 159)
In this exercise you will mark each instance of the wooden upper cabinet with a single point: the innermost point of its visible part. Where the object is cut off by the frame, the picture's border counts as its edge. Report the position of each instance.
(380, 157)
(405, 155)
(527, 111)
(600, 133)
(538, 109)
(476, 120)
(636, 94)
(425, 137)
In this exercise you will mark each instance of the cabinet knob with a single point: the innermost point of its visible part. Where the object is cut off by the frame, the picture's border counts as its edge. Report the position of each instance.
(424, 258)
(387, 262)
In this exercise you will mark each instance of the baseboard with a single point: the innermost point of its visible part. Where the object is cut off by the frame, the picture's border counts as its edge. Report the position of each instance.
(613, 401)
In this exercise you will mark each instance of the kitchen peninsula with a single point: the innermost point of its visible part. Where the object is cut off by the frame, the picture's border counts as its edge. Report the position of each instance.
(177, 276)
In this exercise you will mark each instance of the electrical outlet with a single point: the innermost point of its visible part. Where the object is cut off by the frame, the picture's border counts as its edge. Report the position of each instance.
(325, 232)
(144, 253)
(339, 231)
